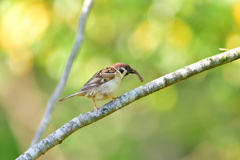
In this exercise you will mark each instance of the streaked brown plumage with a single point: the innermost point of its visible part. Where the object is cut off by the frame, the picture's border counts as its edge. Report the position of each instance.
(105, 82)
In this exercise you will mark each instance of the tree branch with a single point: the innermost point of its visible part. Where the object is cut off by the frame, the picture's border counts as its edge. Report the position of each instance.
(87, 118)
(77, 44)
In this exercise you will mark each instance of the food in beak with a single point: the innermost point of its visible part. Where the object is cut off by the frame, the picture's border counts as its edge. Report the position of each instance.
(139, 77)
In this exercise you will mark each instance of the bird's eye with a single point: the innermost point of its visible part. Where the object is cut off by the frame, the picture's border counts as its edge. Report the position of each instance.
(125, 67)
(121, 70)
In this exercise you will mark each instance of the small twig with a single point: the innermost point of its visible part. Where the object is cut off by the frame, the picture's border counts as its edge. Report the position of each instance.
(223, 49)
(87, 118)
(77, 44)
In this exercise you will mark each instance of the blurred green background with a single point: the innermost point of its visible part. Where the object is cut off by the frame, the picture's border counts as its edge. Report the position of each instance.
(196, 119)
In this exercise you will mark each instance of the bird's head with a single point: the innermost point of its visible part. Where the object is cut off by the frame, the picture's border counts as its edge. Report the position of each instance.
(124, 69)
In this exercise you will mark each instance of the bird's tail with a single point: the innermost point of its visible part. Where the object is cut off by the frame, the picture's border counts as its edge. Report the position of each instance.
(75, 94)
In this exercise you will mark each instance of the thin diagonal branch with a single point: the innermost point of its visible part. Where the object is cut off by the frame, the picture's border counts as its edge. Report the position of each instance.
(87, 118)
(77, 44)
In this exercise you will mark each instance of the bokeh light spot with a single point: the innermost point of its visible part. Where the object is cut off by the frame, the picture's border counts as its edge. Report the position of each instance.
(31, 22)
(22, 25)
(233, 41)
(169, 59)
(144, 41)
(160, 17)
(181, 34)
(236, 13)
(66, 9)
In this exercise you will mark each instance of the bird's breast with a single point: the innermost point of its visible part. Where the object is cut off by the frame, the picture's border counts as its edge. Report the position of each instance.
(107, 89)
(104, 90)
(110, 87)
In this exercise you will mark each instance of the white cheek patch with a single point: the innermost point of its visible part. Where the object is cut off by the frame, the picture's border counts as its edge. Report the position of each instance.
(125, 72)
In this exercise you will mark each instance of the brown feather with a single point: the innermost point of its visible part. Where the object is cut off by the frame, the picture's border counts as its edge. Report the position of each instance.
(117, 65)
(75, 94)
(99, 78)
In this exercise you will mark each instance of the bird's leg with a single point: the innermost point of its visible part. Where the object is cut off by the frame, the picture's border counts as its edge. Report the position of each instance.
(113, 98)
(95, 106)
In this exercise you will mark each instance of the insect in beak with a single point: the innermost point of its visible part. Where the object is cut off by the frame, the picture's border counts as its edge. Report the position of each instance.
(133, 71)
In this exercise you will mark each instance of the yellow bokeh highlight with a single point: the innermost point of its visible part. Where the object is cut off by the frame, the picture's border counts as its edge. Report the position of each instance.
(233, 41)
(236, 13)
(20, 64)
(66, 9)
(22, 25)
(144, 41)
(180, 34)
(160, 17)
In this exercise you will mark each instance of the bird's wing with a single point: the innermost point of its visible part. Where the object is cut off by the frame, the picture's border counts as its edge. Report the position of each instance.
(99, 78)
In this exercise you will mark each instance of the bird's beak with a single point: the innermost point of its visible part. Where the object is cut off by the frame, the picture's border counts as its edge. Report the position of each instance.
(131, 70)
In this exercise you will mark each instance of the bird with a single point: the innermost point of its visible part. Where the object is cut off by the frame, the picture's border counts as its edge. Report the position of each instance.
(105, 82)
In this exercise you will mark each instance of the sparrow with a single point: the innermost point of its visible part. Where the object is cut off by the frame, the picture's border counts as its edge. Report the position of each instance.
(105, 82)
